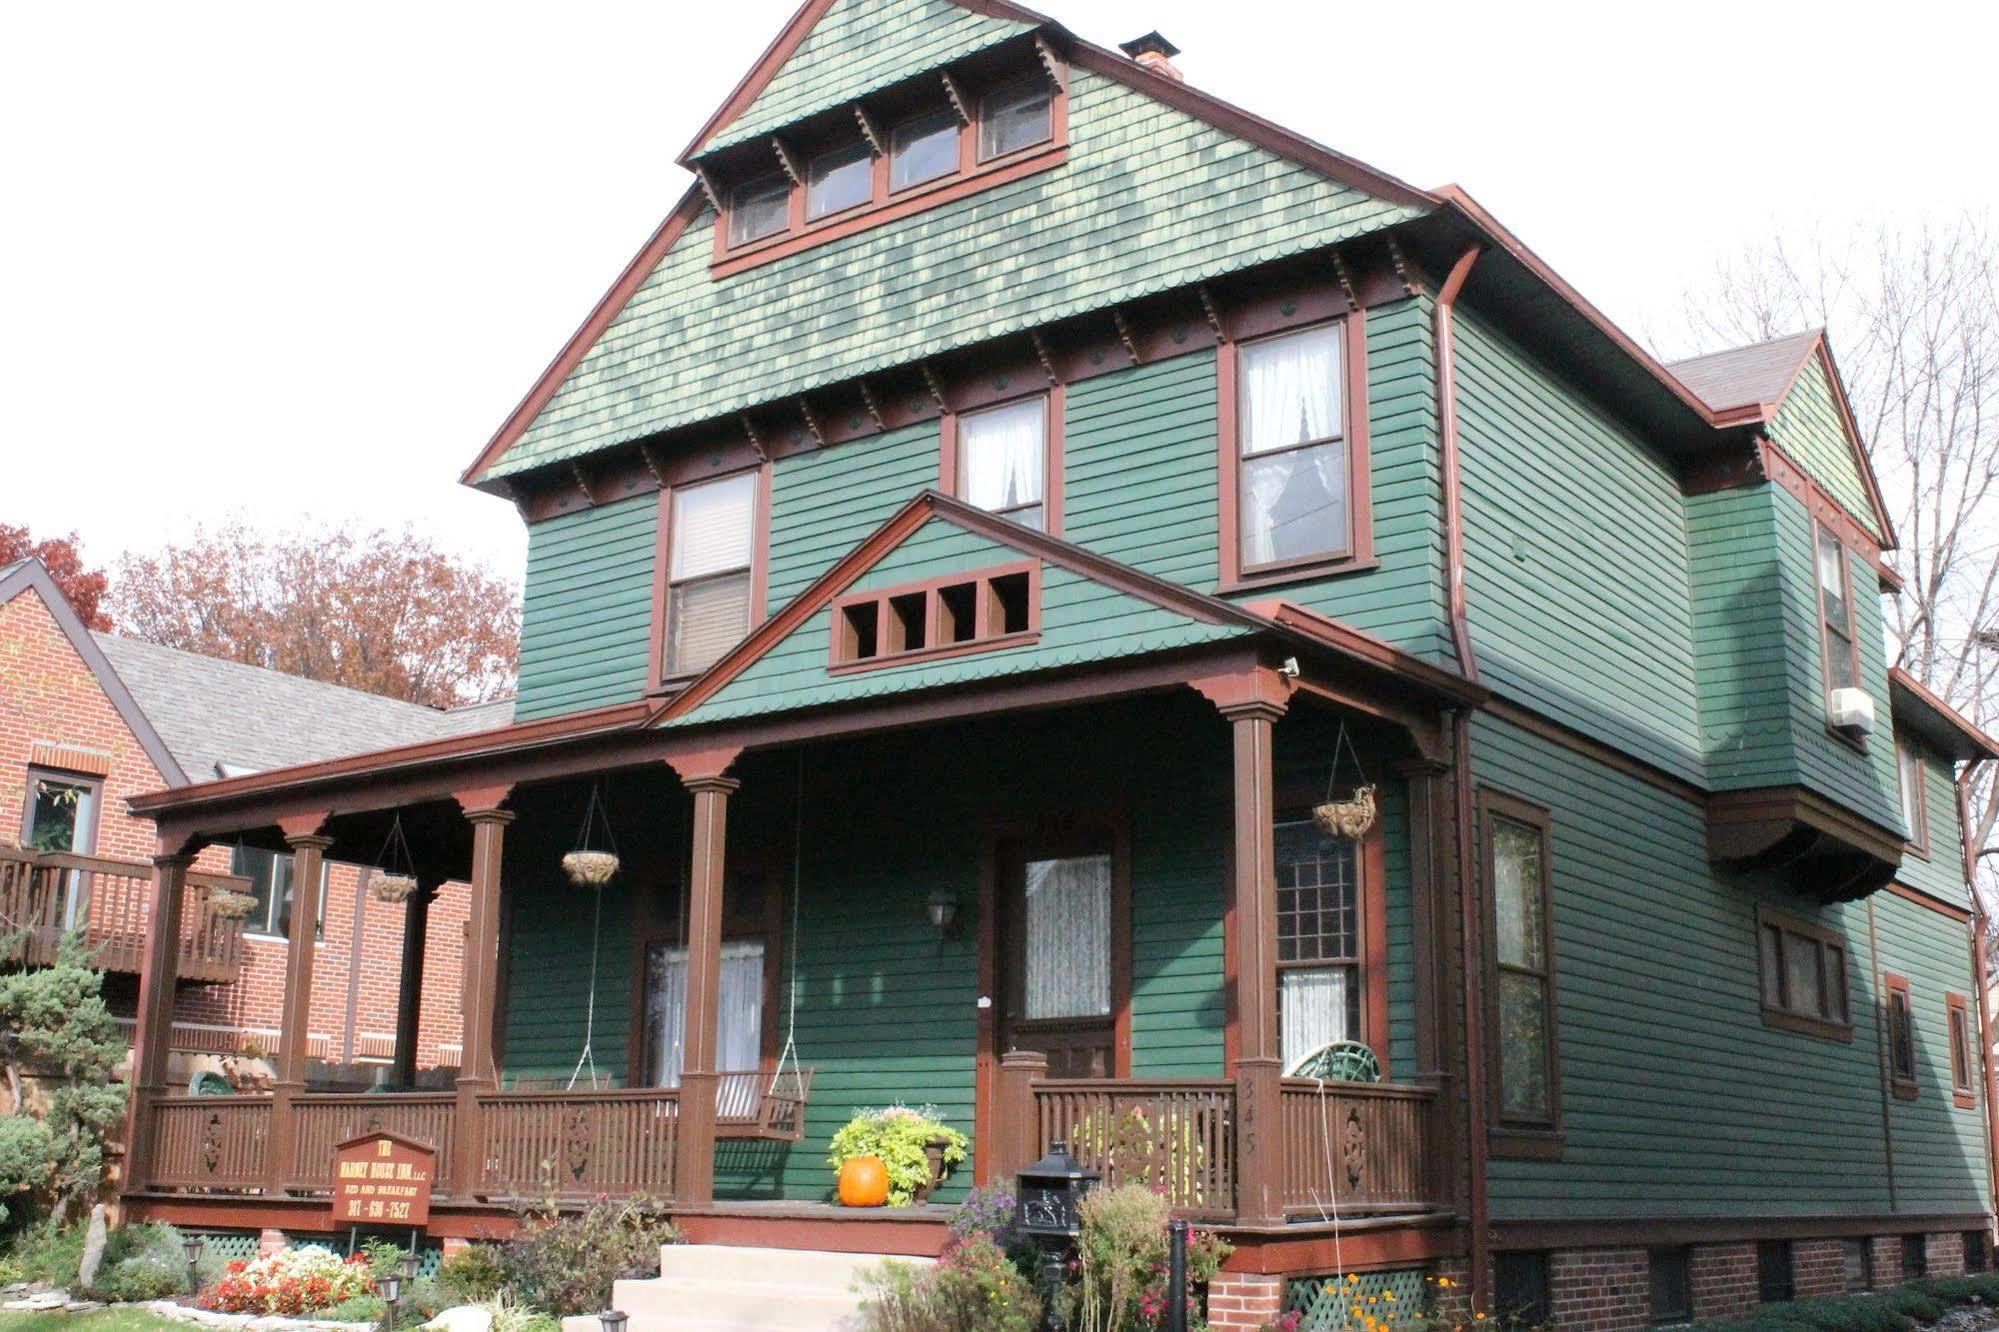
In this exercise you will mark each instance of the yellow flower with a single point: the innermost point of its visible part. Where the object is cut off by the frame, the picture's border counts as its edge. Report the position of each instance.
(1388, 1295)
(1352, 1280)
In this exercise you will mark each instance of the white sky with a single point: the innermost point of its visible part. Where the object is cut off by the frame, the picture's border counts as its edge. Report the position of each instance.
(297, 261)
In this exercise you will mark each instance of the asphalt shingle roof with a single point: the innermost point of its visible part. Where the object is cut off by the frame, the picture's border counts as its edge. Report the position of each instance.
(211, 712)
(1759, 373)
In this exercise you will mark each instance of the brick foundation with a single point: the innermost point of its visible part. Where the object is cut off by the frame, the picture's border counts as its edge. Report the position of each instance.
(1723, 1279)
(1599, 1290)
(1946, 1254)
(1818, 1267)
(1884, 1261)
(1244, 1301)
(1450, 1292)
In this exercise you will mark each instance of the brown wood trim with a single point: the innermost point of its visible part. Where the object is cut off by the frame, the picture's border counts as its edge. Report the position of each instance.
(1779, 468)
(913, 1233)
(1904, 1087)
(587, 333)
(1358, 549)
(982, 640)
(1962, 915)
(1787, 1019)
(1558, 733)
(1661, 1231)
(1445, 348)
(746, 91)
(1538, 1141)
(1748, 822)
(1963, 1087)
(1361, 1245)
(1293, 803)
(1980, 745)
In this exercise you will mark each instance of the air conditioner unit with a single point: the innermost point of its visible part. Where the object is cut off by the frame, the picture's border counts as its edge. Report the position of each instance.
(1851, 710)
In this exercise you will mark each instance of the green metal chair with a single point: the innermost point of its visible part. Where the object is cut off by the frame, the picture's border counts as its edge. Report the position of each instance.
(1340, 1061)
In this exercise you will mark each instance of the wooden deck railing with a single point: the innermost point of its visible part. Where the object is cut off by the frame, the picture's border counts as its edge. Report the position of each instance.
(1355, 1148)
(578, 1144)
(45, 896)
(324, 1121)
(1174, 1135)
(211, 1143)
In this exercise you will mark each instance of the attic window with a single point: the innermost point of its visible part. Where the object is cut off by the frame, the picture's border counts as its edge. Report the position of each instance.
(940, 617)
(1014, 117)
(760, 208)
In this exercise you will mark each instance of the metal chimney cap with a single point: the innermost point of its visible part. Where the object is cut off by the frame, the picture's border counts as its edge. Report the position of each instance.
(1152, 42)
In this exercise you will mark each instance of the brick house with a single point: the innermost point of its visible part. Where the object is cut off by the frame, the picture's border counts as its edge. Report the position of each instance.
(88, 720)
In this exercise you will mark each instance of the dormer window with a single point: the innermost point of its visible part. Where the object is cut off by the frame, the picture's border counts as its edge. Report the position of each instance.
(923, 149)
(760, 208)
(1014, 117)
(839, 180)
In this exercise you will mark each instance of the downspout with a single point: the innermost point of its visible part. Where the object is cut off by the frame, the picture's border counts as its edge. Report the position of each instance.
(1470, 917)
(1979, 950)
(1447, 433)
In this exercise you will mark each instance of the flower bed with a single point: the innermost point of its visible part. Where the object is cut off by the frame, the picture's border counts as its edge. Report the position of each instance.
(290, 1282)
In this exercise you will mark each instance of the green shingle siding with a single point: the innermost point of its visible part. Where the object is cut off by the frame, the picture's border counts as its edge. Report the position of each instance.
(1576, 556)
(1811, 429)
(1676, 1099)
(586, 621)
(1151, 198)
(859, 47)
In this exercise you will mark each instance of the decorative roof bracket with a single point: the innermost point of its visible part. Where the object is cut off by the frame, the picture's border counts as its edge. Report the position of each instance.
(653, 464)
(756, 440)
(1124, 334)
(1058, 69)
(1042, 354)
(1213, 310)
(872, 402)
(935, 384)
(811, 421)
(870, 131)
(1346, 280)
(957, 96)
(576, 474)
(1403, 271)
(787, 161)
(708, 186)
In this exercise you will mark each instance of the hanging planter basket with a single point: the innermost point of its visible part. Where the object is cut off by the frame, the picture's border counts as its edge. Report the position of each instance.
(590, 869)
(230, 904)
(393, 887)
(1351, 818)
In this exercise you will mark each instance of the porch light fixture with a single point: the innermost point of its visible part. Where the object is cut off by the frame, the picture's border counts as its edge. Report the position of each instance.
(614, 1320)
(942, 908)
(192, 1245)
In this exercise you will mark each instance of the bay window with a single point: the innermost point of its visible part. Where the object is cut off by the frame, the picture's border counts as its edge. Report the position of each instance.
(1318, 939)
(710, 561)
(1293, 466)
(1515, 851)
(1002, 460)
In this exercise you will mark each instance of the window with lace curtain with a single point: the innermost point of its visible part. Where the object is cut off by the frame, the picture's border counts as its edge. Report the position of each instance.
(1318, 939)
(1001, 459)
(711, 559)
(1292, 465)
(739, 997)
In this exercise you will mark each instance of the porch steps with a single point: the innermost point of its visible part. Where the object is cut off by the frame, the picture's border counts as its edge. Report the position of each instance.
(726, 1288)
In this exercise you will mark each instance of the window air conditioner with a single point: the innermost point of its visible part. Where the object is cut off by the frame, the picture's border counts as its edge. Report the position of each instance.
(1851, 710)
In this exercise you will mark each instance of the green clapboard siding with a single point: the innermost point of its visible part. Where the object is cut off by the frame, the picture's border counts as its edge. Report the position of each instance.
(1576, 557)
(1081, 621)
(1939, 1149)
(826, 502)
(586, 621)
(859, 47)
(1941, 872)
(1811, 429)
(1151, 198)
(1744, 639)
(1676, 1098)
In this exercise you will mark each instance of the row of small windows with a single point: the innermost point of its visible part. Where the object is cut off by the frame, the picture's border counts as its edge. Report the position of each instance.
(929, 146)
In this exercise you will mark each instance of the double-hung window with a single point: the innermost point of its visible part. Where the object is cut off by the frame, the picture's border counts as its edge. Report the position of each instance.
(1003, 460)
(1517, 872)
(1915, 796)
(710, 564)
(739, 997)
(1014, 117)
(61, 815)
(1293, 477)
(1842, 663)
(1802, 970)
(1901, 1037)
(1318, 939)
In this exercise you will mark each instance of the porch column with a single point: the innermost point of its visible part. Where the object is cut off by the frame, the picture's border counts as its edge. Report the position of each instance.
(152, 1038)
(308, 847)
(694, 1141)
(478, 1072)
(1252, 701)
(409, 986)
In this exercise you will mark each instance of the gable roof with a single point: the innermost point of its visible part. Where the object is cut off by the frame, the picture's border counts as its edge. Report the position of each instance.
(1937, 721)
(29, 576)
(218, 716)
(1759, 375)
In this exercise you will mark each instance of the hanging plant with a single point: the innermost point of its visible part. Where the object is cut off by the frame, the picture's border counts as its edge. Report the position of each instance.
(230, 904)
(1353, 817)
(395, 876)
(595, 858)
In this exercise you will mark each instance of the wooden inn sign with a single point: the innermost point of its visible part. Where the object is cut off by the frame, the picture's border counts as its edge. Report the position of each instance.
(382, 1179)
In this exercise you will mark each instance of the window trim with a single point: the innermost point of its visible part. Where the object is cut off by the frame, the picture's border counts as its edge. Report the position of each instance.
(875, 162)
(93, 783)
(1903, 1086)
(1055, 410)
(1512, 1138)
(978, 121)
(658, 682)
(840, 663)
(1371, 901)
(1821, 530)
(1359, 551)
(1919, 830)
(1963, 1056)
(886, 204)
(1780, 1015)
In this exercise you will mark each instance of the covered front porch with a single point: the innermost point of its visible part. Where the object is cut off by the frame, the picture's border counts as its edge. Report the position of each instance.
(1096, 913)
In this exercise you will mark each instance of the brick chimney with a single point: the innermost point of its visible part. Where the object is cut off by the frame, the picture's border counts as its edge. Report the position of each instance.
(1156, 54)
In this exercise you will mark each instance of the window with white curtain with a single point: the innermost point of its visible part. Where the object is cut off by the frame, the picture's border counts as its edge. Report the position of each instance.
(1292, 484)
(740, 997)
(1003, 460)
(1318, 939)
(1067, 922)
(709, 568)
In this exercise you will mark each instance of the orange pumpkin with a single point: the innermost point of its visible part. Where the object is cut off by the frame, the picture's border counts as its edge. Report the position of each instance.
(863, 1182)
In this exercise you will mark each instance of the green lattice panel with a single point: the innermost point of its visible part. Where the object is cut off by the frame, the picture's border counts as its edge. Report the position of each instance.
(229, 1246)
(1327, 1303)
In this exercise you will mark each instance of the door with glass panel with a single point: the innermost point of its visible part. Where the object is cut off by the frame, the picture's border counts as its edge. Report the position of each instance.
(61, 815)
(1058, 919)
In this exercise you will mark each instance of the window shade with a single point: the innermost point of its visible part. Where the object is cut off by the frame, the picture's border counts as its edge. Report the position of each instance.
(1068, 929)
(704, 620)
(714, 526)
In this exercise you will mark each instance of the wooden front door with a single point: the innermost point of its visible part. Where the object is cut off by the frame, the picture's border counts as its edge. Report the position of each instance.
(1063, 942)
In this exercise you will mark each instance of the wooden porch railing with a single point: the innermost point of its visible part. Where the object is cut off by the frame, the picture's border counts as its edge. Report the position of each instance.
(1357, 1148)
(44, 896)
(211, 1143)
(1174, 1135)
(324, 1121)
(578, 1144)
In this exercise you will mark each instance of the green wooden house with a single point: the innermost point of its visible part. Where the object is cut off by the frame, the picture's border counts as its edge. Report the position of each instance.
(1010, 495)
